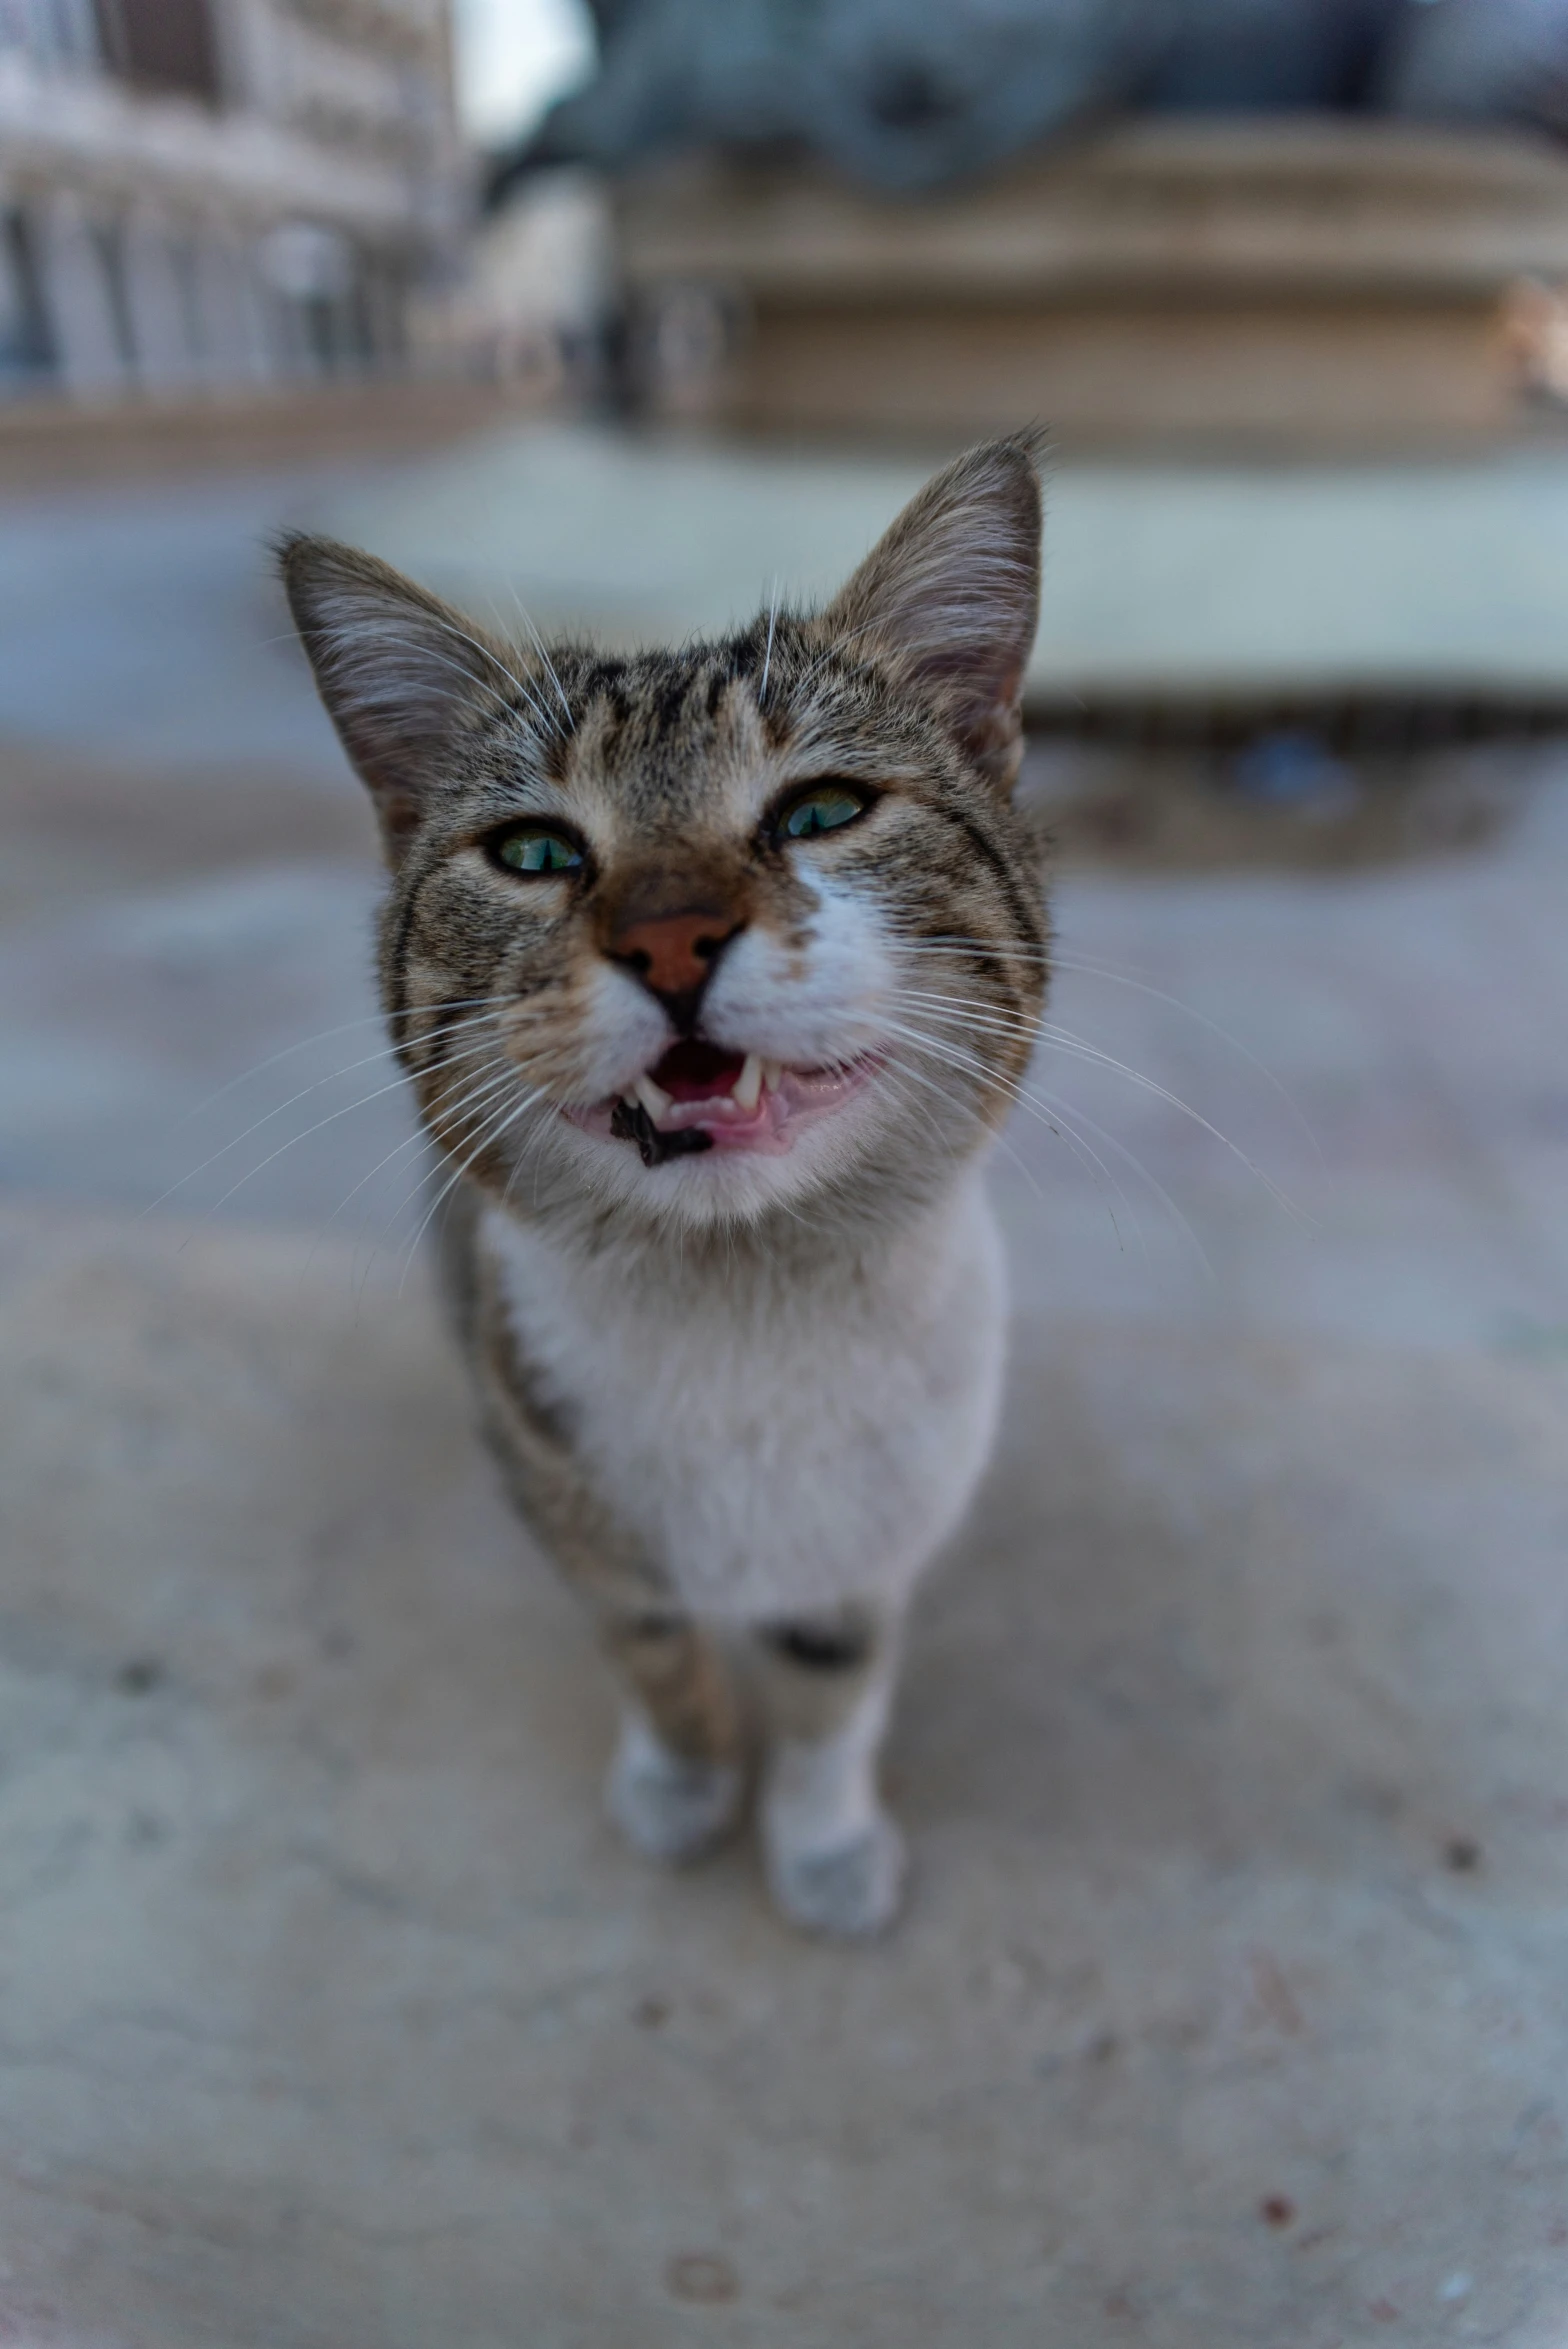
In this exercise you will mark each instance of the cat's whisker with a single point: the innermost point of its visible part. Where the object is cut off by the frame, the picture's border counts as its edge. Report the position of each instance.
(1065, 959)
(325, 1036)
(481, 1096)
(1054, 1037)
(1050, 1115)
(334, 1077)
(898, 1069)
(471, 683)
(1058, 1115)
(481, 1090)
(543, 651)
(488, 652)
(841, 637)
(536, 700)
(487, 1140)
(767, 656)
(1025, 1094)
(397, 1085)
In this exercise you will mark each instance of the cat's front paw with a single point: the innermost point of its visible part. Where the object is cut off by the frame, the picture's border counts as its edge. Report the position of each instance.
(667, 1805)
(850, 1889)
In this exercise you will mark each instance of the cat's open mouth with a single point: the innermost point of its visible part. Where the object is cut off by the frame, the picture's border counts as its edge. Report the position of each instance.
(699, 1097)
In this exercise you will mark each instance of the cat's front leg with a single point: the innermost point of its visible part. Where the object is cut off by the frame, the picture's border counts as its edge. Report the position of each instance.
(676, 1782)
(835, 1860)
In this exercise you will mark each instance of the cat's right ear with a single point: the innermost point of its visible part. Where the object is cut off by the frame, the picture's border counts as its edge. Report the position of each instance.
(396, 669)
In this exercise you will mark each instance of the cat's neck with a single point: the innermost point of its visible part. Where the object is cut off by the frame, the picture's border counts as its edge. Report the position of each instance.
(825, 1242)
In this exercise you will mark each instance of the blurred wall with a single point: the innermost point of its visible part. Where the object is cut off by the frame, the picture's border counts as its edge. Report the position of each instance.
(219, 192)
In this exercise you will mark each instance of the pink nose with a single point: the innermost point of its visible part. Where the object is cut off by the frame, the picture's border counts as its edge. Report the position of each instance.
(675, 954)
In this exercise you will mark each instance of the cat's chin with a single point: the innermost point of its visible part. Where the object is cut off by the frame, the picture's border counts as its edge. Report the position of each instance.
(743, 1104)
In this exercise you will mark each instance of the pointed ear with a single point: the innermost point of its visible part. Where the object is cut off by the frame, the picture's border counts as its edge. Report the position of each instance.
(951, 595)
(397, 670)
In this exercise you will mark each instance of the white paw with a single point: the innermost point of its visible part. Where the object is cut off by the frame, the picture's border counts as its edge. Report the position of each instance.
(667, 1806)
(851, 1888)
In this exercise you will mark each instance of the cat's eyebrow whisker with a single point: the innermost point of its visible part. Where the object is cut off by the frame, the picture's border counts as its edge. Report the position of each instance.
(841, 637)
(488, 652)
(767, 657)
(543, 651)
(426, 652)
(542, 711)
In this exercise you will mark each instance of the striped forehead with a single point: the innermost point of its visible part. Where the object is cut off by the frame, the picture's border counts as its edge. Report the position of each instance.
(678, 740)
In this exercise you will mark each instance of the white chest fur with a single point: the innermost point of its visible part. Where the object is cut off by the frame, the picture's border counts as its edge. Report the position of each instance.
(780, 1443)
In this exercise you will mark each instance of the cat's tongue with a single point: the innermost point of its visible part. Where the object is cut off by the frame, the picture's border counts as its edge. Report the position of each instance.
(691, 1071)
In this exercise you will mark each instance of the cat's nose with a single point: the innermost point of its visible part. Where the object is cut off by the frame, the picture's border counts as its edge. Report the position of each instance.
(675, 955)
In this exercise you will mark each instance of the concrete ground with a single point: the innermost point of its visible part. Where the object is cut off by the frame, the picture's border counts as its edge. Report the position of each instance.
(1232, 2003)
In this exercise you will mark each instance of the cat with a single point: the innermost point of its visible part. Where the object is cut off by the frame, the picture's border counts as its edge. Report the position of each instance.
(713, 972)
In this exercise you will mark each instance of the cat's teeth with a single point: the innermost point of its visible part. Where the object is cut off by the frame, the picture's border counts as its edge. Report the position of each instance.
(747, 1088)
(773, 1074)
(654, 1100)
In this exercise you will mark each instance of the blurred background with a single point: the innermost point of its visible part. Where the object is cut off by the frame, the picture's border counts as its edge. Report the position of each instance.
(1230, 2006)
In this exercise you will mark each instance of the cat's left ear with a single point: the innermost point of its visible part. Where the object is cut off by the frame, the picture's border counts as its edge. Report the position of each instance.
(951, 595)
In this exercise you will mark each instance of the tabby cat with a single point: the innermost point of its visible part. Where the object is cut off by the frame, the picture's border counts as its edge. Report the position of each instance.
(713, 972)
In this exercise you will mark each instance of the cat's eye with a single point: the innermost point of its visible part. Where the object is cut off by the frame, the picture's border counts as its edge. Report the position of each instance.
(824, 808)
(535, 848)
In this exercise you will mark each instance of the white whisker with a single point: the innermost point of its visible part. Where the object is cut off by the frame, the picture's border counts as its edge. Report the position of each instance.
(489, 653)
(543, 651)
(369, 1060)
(325, 1036)
(767, 657)
(950, 1056)
(1025, 1095)
(1063, 959)
(1057, 1038)
(491, 1135)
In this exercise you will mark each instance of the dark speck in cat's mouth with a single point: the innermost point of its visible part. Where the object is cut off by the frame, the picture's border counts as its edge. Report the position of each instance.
(630, 1122)
(700, 1096)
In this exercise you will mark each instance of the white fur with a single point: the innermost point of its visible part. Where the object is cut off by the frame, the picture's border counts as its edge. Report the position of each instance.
(835, 1859)
(811, 1008)
(781, 1446)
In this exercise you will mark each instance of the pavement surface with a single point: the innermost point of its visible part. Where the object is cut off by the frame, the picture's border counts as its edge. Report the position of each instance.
(1232, 2003)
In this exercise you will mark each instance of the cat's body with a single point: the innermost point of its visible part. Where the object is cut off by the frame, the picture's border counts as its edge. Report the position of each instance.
(781, 1436)
(713, 971)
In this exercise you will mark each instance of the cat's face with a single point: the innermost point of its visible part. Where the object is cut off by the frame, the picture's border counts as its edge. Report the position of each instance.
(710, 934)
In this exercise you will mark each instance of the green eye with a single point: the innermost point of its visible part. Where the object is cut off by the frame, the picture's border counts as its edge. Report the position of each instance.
(822, 811)
(533, 849)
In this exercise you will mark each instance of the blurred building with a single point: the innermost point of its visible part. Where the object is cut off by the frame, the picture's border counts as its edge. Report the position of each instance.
(219, 192)
(1272, 282)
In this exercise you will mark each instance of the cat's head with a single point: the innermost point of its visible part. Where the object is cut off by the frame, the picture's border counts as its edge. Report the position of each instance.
(706, 934)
